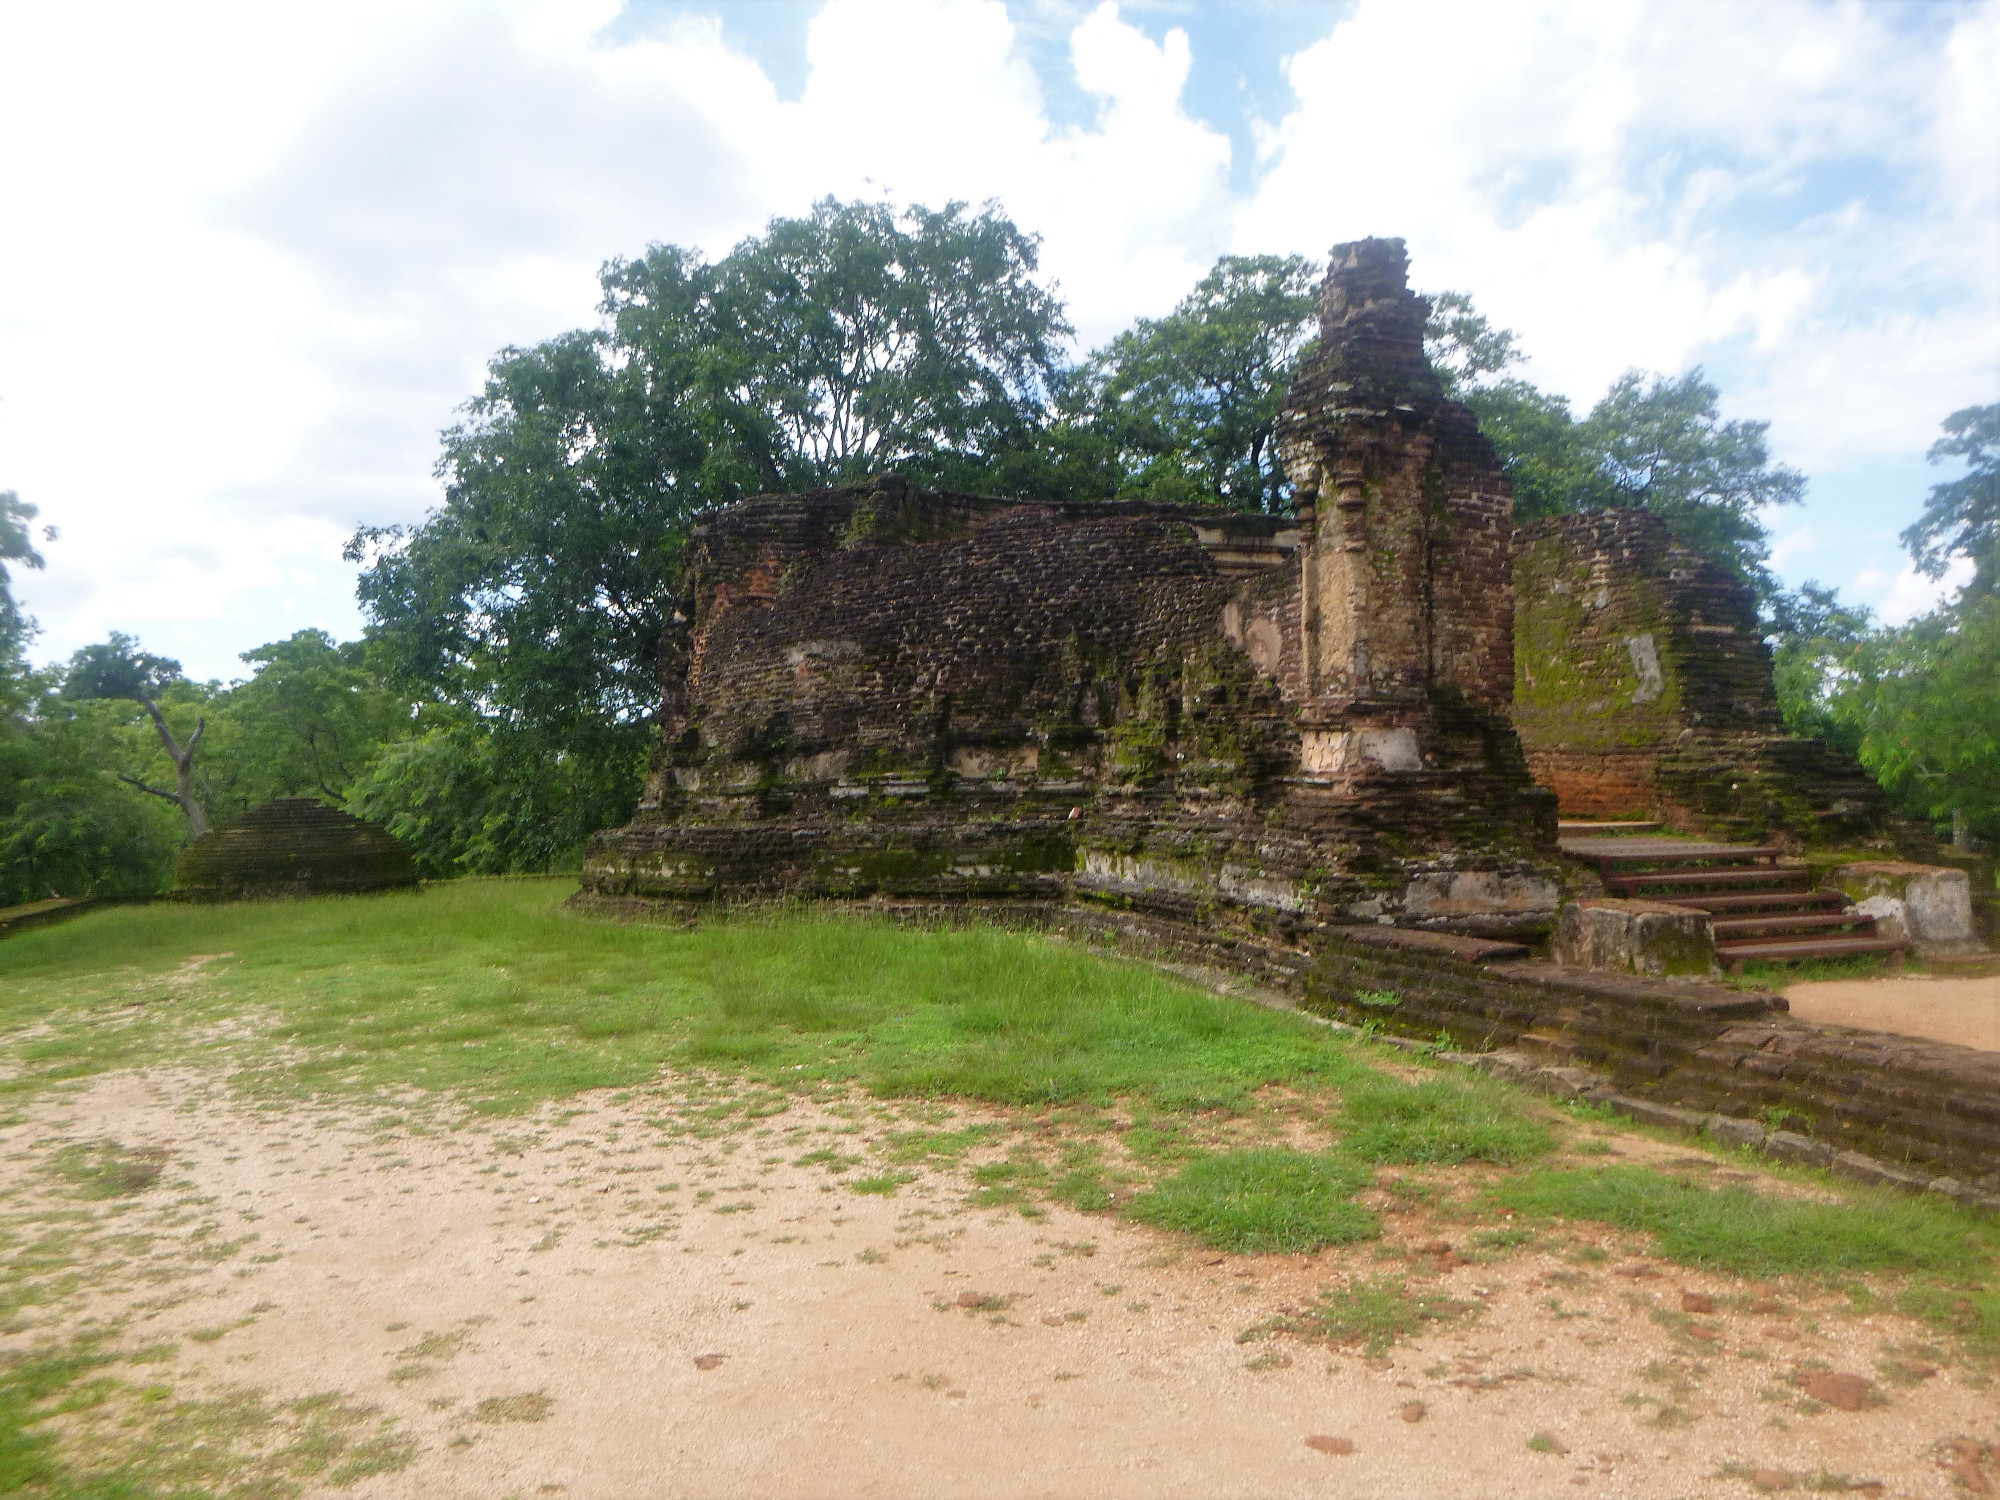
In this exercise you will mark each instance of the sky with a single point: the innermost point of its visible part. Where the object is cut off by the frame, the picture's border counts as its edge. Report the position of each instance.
(254, 256)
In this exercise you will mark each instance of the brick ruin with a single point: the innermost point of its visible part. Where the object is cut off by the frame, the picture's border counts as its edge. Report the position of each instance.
(293, 846)
(1297, 747)
(1236, 722)
(1643, 689)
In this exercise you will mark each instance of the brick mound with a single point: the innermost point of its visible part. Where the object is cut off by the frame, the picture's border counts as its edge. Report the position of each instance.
(295, 846)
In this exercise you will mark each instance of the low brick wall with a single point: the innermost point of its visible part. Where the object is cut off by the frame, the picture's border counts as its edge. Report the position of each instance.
(1692, 1046)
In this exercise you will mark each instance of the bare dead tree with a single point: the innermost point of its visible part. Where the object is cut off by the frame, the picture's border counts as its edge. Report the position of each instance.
(183, 758)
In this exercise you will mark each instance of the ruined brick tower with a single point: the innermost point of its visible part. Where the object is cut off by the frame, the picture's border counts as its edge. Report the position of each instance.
(1220, 722)
(1408, 523)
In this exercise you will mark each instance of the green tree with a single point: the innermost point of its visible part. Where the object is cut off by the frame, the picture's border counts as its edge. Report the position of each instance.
(1814, 638)
(848, 342)
(468, 802)
(1188, 402)
(1924, 702)
(307, 723)
(1654, 442)
(1962, 517)
(16, 546)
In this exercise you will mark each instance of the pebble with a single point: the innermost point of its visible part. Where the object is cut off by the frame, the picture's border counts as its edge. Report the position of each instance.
(1842, 1392)
(1320, 1443)
(1697, 1302)
(1412, 1411)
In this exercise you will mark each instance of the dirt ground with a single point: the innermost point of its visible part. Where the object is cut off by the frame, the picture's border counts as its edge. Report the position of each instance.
(1942, 1007)
(630, 1297)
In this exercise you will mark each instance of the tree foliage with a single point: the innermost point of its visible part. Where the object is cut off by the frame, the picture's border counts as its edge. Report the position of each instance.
(833, 346)
(1653, 442)
(1962, 517)
(1922, 701)
(1186, 404)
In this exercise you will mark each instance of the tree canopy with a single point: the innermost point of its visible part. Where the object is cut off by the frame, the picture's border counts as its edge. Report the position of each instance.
(1962, 517)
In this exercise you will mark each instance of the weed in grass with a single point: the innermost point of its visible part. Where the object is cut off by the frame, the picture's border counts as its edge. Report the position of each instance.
(884, 1186)
(1269, 1199)
(1374, 1313)
(1441, 1120)
(529, 1406)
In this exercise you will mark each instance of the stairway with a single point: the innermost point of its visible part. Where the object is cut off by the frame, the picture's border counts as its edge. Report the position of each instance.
(1760, 910)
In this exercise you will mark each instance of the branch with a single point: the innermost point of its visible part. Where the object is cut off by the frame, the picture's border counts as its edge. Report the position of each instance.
(172, 797)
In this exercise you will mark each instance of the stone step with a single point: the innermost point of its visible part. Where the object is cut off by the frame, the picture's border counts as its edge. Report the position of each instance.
(1681, 857)
(1826, 947)
(1781, 922)
(1693, 880)
(1767, 901)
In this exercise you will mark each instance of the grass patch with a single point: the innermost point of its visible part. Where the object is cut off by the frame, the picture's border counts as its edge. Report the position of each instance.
(105, 1169)
(1444, 1120)
(1751, 1234)
(1261, 1200)
(1373, 1312)
(491, 990)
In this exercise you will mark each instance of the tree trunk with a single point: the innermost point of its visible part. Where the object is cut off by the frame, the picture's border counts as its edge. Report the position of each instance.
(183, 758)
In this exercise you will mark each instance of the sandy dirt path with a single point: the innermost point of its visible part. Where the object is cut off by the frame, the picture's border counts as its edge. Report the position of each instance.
(1946, 1009)
(587, 1303)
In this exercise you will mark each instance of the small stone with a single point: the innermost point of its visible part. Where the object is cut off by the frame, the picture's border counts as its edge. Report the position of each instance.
(1842, 1392)
(1320, 1443)
(1635, 1270)
(971, 1299)
(1412, 1411)
(708, 1361)
(1380, 1363)
(1052, 1320)
(1768, 1307)
(954, 1395)
(1706, 1334)
(1771, 1479)
(1697, 1302)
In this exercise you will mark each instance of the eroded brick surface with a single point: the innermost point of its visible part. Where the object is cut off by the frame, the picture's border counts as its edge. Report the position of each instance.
(1234, 721)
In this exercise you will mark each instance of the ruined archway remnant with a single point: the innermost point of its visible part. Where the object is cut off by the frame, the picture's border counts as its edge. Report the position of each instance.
(1223, 721)
(294, 846)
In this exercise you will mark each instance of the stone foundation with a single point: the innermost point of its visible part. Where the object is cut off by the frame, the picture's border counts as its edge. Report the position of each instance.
(1931, 1108)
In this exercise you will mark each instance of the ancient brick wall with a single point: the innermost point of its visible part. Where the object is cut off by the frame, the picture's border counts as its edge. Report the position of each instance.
(1643, 687)
(1692, 1046)
(293, 846)
(1222, 719)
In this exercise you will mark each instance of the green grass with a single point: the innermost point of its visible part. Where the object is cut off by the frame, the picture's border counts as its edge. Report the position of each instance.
(1262, 1200)
(1757, 1235)
(1374, 1312)
(1441, 1120)
(491, 990)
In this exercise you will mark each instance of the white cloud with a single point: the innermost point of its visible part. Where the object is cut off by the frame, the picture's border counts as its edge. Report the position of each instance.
(1901, 597)
(272, 246)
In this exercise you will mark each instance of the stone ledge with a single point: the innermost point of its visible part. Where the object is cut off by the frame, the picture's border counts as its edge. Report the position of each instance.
(1783, 1145)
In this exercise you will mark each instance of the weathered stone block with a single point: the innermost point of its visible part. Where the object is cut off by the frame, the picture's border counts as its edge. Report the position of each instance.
(1928, 906)
(1735, 1132)
(1789, 1146)
(1635, 937)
